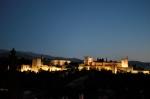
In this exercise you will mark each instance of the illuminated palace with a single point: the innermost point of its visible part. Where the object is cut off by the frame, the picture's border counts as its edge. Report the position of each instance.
(89, 63)
(37, 64)
(115, 67)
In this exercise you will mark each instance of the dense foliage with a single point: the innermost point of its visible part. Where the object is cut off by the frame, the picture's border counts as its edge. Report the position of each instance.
(56, 84)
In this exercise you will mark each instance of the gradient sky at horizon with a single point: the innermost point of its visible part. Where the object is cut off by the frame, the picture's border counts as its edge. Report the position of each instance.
(76, 28)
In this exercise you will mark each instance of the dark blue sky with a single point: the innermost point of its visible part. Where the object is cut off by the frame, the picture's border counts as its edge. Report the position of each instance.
(76, 28)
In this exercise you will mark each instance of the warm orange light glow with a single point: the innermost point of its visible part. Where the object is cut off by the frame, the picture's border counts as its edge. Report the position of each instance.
(88, 64)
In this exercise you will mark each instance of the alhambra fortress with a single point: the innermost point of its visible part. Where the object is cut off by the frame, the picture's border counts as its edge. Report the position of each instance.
(89, 63)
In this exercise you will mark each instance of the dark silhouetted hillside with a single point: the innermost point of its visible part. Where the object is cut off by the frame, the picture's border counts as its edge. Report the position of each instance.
(30, 55)
(139, 64)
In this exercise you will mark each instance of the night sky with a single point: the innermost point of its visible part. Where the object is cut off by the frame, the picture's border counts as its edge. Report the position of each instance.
(75, 28)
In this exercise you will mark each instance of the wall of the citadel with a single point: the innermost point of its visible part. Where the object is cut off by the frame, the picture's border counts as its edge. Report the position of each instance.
(25, 67)
(141, 71)
(54, 68)
(125, 69)
(118, 64)
(45, 67)
(104, 67)
(59, 62)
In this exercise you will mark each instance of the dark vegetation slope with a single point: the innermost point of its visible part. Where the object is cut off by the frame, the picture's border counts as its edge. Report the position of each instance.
(57, 84)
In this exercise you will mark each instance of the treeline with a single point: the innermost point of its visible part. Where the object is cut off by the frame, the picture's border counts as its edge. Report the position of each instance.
(57, 84)
(12, 62)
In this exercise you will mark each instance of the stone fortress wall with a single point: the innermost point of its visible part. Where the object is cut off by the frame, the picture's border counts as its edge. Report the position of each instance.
(89, 63)
(115, 67)
(37, 65)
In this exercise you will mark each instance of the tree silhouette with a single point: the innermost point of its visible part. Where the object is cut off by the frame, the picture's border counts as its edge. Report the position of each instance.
(102, 60)
(66, 63)
(13, 60)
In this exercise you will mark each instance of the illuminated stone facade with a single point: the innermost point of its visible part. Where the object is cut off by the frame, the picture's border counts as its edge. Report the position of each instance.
(36, 65)
(115, 67)
(59, 62)
(57, 65)
(25, 67)
(89, 63)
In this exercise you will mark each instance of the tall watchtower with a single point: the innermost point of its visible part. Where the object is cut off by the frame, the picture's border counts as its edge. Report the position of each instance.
(124, 62)
(87, 60)
(36, 64)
